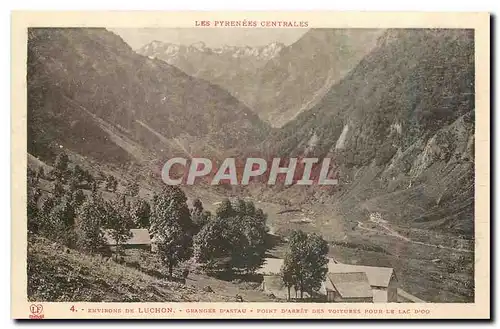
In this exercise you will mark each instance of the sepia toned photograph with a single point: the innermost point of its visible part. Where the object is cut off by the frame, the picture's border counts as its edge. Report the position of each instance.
(250, 161)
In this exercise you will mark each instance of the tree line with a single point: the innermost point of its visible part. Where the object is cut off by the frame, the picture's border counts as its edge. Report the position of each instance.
(69, 215)
(75, 213)
(231, 240)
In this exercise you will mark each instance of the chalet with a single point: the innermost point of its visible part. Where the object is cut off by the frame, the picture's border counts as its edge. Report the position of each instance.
(351, 287)
(140, 239)
(383, 281)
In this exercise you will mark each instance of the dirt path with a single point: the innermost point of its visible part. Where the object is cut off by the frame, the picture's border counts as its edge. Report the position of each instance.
(391, 232)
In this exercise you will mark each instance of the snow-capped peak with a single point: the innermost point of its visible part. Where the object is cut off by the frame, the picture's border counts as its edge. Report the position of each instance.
(200, 46)
(157, 48)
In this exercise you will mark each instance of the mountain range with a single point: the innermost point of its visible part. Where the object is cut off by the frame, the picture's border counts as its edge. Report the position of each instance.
(276, 81)
(178, 55)
(401, 129)
(400, 124)
(395, 110)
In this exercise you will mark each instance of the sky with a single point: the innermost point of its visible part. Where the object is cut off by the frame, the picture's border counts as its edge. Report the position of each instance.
(212, 37)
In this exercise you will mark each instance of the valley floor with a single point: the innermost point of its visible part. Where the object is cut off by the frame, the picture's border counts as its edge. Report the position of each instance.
(434, 266)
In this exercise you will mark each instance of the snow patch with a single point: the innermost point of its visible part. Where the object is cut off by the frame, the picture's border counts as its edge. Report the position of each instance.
(341, 141)
(200, 46)
(311, 144)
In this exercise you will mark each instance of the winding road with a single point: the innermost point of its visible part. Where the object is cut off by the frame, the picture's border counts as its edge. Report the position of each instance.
(391, 232)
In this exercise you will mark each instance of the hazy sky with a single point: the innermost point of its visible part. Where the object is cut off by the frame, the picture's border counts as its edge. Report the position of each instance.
(213, 37)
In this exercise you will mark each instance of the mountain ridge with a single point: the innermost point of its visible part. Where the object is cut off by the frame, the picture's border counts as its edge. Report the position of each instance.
(393, 113)
(276, 87)
(171, 51)
(121, 88)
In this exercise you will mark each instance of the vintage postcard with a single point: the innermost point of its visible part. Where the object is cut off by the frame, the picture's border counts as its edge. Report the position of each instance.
(256, 165)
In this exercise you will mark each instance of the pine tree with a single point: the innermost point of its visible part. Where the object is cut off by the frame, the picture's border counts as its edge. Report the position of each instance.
(141, 214)
(77, 198)
(61, 162)
(47, 205)
(72, 184)
(90, 218)
(93, 186)
(111, 183)
(197, 205)
(316, 264)
(40, 174)
(43, 215)
(225, 209)
(78, 173)
(118, 222)
(60, 226)
(58, 189)
(250, 208)
(199, 216)
(32, 209)
(240, 207)
(133, 189)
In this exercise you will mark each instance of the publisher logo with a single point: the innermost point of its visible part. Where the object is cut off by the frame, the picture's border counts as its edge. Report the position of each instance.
(36, 311)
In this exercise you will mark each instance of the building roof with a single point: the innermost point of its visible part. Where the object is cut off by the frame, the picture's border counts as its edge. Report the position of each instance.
(139, 236)
(377, 276)
(350, 285)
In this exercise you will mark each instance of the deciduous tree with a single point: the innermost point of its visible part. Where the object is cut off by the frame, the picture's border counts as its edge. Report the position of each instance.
(171, 226)
(234, 243)
(305, 264)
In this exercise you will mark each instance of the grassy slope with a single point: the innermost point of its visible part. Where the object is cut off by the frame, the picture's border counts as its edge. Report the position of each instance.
(57, 273)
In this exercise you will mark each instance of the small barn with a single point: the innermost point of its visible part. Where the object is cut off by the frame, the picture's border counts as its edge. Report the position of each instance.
(140, 239)
(350, 287)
